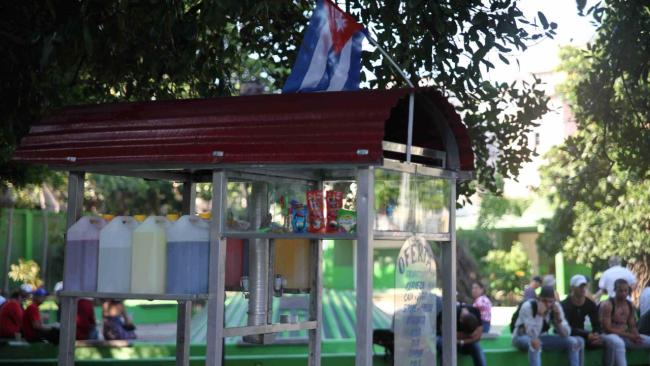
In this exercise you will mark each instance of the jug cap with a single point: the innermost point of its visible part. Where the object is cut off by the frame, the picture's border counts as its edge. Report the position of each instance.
(205, 215)
(172, 217)
(139, 218)
(108, 217)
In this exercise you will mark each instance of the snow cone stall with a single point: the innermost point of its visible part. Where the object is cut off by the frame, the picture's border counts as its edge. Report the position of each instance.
(287, 172)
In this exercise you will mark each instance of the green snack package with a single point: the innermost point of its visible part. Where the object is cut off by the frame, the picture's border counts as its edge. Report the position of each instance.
(347, 221)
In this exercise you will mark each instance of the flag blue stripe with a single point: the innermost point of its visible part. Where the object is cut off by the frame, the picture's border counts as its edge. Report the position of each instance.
(306, 50)
(354, 73)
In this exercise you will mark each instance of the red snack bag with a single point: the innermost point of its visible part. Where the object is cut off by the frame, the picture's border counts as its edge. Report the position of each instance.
(315, 210)
(334, 200)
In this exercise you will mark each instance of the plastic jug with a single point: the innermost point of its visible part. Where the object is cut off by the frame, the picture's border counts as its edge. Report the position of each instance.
(115, 247)
(81, 252)
(188, 255)
(236, 258)
(149, 258)
(293, 262)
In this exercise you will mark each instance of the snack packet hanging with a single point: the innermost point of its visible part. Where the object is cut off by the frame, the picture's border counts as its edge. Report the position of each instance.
(315, 209)
(347, 221)
(298, 217)
(334, 200)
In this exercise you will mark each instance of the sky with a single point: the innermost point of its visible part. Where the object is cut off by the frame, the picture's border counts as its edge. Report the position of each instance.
(541, 57)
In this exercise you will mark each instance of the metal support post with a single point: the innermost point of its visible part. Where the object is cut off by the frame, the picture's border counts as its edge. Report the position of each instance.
(409, 132)
(68, 330)
(189, 198)
(183, 321)
(183, 333)
(8, 247)
(46, 244)
(217, 272)
(449, 286)
(29, 235)
(270, 289)
(365, 207)
(69, 304)
(316, 301)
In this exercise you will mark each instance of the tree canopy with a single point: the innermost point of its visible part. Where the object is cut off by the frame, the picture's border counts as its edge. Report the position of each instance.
(60, 53)
(598, 179)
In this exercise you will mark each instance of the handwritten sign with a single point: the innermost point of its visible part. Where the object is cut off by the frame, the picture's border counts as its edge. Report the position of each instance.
(415, 313)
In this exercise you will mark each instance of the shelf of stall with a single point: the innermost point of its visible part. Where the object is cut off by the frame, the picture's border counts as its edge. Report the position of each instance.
(134, 296)
(268, 235)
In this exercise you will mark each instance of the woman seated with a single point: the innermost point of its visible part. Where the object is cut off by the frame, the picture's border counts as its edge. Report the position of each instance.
(117, 323)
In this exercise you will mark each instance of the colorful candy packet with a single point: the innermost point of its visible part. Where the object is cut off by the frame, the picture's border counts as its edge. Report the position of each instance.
(334, 201)
(347, 221)
(315, 209)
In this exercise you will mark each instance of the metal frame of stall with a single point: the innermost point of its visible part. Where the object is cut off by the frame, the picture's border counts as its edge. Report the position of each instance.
(365, 237)
(218, 173)
(216, 288)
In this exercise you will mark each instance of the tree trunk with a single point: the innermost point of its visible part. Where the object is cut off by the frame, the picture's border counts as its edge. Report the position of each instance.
(641, 268)
(466, 273)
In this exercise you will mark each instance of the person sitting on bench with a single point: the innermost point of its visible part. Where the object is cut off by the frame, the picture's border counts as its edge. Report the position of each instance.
(532, 324)
(117, 323)
(617, 317)
(11, 315)
(644, 310)
(468, 333)
(577, 306)
(33, 328)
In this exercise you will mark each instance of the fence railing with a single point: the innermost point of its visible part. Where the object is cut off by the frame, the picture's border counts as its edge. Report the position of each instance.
(32, 234)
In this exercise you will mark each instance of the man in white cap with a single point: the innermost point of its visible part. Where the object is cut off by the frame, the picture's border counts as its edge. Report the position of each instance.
(615, 272)
(577, 307)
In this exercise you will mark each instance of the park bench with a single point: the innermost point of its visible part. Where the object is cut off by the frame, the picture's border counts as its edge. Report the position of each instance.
(499, 351)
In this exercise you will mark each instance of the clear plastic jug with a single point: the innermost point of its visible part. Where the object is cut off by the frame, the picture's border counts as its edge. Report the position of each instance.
(81, 253)
(149, 258)
(115, 250)
(188, 255)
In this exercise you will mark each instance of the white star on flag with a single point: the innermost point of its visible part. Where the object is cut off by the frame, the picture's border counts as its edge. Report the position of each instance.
(340, 22)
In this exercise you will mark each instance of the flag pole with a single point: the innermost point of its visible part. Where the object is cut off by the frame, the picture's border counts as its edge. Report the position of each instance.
(409, 139)
(390, 59)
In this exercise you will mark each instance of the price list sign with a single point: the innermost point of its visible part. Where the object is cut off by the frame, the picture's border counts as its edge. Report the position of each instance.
(415, 313)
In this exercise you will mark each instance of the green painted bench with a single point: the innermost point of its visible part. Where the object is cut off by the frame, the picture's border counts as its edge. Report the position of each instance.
(499, 351)
(335, 353)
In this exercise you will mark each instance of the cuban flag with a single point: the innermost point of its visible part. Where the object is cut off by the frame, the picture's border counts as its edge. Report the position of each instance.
(330, 54)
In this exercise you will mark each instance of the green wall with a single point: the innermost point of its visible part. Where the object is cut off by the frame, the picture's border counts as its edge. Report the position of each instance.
(338, 266)
(28, 238)
(565, 269)
(384, 268)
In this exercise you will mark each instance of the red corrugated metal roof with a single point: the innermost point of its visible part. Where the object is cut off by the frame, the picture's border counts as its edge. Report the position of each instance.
(313, 128)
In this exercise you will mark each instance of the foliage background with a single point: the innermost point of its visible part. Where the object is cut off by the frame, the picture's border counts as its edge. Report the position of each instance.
(63, 53)
(598, 179)
(59, 53)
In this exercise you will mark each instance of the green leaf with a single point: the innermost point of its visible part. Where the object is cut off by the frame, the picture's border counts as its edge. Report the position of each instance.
(542, 19)
(88, 41)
